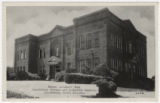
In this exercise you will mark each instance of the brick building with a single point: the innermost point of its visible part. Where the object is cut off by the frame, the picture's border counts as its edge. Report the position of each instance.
(99, 37)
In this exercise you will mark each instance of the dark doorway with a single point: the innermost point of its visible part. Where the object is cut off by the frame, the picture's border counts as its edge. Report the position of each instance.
(52, 72)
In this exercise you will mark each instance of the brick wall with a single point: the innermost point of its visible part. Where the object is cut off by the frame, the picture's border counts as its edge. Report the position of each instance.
(25, 54)
(98, 37)
(90, 31)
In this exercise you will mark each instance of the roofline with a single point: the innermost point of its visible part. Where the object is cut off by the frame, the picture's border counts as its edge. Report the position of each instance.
(25, 36)
(86, 15)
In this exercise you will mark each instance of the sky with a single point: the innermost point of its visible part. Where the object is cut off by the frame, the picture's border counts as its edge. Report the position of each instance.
(42, 19)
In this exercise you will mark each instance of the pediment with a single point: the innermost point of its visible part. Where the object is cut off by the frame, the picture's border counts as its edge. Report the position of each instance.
(58, 30)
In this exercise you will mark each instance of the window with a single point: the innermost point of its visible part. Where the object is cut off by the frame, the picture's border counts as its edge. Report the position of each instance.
(25, 55)
(68, 65)
(44, 55)
(120, 68)
(119, 43)
(111, 60)
(18, 57)
(130, 48)
(80, 65)
(89, 41)
(40, 53)
(113, 64)
(111, 40)
(88, 63)
(82, 42)
(69, 52)
(57, 52)
(116, 37)
(96, 38)
(116, 64)
(96, 61)
(121, 65)
(83, 64)
(78, 42)
(22, 54)
(114, 41)
(142, 52)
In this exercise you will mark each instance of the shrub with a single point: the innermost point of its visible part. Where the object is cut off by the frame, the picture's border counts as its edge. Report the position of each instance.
(86, 70)
(146, 83)
(103, 70)
(10, 73)
(80, 78)
(22, 75)
(32, 76)
(42, 75)
(71, 70)
(11, 76)
(124, 80)
(106, 88)
(59, 76)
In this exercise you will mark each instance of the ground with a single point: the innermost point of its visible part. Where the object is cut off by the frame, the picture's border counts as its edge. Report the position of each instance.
(25, 88)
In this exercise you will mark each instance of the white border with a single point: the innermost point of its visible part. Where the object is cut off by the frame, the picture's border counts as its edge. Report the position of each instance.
(119, 100)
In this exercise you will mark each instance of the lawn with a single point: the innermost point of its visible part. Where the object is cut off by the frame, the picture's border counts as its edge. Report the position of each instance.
(11, 94)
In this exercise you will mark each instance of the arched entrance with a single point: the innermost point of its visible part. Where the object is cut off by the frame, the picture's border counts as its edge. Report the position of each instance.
(54, 63)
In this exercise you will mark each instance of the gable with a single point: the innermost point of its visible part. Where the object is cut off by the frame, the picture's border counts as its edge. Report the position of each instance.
(57, 31)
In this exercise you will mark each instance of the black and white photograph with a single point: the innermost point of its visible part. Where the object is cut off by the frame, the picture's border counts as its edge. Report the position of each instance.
(80, 51)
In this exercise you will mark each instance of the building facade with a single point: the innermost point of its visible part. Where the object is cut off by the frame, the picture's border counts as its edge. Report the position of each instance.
(96, 38)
